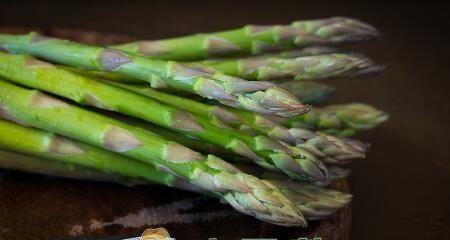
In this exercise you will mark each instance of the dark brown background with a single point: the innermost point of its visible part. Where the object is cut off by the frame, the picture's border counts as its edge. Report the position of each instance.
(402, 189)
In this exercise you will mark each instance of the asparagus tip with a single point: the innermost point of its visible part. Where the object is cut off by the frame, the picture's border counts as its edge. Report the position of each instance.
(361, 116)
(303, 167)
(350, 29)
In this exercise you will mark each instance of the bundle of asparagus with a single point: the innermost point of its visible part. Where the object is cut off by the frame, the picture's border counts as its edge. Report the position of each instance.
(150, 120)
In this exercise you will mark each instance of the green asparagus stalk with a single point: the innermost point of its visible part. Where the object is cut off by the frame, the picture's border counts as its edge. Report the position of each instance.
(339, 119)
(262, 150)
(301, 68)
(187, 140)
(43, 144)
(307, 51)
(308, 92)
(254, 39)
(104, 75)
(261, 97)
(326, 148)
(115, 78)
(317, 202)
(26, 163)
(216, 113)
(245, 193)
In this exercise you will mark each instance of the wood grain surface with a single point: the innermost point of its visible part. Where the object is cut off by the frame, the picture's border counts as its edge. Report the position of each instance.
(36, 207)
(402, 189)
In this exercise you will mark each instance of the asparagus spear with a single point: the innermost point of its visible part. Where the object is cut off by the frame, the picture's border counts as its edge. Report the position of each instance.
(263, 151)
(339, 119)
(26, 163)
(110, 76)
(59, 156)
(308, 92)
(68, 155)
(317, 202)
(36, 142)
(245, 193)
(261, 97)
(301, 68)
(254, 39)
(326, 148)
(307, 51)
(329, 149)
(314, 200)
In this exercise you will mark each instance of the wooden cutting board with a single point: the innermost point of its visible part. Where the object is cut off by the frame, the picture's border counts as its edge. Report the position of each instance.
(39, 207)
